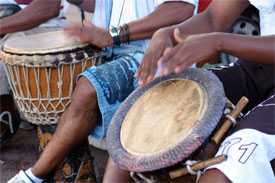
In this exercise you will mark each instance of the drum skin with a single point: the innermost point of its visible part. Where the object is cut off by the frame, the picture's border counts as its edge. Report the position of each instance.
(42, 78)
(140, 161)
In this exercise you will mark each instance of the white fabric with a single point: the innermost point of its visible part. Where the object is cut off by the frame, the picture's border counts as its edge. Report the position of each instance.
(249, 154)
(20, 178)
(267, 15)
(4, 84)
(118, 12)
(33, 177)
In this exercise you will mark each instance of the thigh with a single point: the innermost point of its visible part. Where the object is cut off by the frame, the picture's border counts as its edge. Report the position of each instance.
(260, 118)
(254, 81)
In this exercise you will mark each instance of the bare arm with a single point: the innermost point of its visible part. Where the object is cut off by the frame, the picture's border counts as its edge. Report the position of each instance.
(169, 13)
(36, 13)
(202, 45)
(250, 48)
(218, 17)
(166, 14)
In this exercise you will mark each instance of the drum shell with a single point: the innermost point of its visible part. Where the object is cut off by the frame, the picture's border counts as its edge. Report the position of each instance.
(43, 91)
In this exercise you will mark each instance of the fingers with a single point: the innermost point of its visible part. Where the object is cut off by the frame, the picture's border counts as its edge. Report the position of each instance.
(166, 60)
(144, 73)
(179, 38)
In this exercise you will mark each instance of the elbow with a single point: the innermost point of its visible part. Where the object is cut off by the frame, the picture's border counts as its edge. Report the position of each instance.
(183, 12)
(51, 9)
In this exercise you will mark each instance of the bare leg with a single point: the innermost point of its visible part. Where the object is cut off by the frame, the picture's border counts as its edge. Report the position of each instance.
(115, 175)
(213, 176)
(73, 127)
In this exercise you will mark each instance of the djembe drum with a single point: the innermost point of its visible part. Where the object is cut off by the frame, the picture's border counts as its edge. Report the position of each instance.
(166, 122)
(42, 66)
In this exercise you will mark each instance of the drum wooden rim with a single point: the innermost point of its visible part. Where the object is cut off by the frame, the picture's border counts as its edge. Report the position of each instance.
(184, 148)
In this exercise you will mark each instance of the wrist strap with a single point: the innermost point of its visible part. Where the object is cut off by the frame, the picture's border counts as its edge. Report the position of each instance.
(124, 33)
(114, 31)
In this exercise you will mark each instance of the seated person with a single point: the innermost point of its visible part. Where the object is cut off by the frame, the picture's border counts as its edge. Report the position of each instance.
(102, 89)
(33, 14)
(251, 147)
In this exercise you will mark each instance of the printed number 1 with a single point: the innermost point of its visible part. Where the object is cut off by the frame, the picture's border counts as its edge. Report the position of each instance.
(248, 150)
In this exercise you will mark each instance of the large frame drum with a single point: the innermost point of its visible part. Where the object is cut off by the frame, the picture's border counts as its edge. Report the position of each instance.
(42, 66)
(166, 121)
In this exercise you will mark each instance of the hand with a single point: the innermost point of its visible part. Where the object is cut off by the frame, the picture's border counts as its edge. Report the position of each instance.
(161, 41)
(190, 50)
(90, 34)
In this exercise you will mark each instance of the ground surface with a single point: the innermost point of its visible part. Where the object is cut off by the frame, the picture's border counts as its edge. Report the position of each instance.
(18, 153)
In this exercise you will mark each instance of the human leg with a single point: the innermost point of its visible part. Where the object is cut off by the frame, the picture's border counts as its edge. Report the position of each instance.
(250, 148)
(73, 127)
(255, 81)
(114, 174)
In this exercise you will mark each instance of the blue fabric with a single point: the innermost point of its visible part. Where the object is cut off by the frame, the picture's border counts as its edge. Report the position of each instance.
(113, 82)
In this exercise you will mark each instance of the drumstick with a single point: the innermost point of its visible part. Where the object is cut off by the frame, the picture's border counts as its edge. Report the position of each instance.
(197, 166)
(227, 122)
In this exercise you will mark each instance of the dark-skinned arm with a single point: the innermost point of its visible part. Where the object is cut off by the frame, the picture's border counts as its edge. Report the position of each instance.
(37, 12)
(166, 14)
(180, 50)
(250, 48)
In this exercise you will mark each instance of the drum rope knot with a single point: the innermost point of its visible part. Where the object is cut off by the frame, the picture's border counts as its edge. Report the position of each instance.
(188, 165)
(231, 118)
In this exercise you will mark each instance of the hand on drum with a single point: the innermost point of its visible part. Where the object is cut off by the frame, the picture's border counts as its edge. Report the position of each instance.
(161, 41)
(89, 33)
(189, 50)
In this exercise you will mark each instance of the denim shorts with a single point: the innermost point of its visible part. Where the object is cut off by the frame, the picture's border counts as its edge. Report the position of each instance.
(113, 82)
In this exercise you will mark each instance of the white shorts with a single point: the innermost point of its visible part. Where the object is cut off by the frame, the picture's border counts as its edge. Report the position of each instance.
(249, 154)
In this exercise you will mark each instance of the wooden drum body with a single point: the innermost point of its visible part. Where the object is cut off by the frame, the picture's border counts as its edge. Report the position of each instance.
(166, 121)
(42, 67)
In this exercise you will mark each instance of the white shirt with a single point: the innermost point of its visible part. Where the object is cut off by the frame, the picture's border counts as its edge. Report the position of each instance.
(55, 22)
(267, 15)
(118, 12)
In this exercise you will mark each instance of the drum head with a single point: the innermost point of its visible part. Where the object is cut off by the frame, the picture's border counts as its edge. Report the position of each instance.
(40, 41)
(166, 121)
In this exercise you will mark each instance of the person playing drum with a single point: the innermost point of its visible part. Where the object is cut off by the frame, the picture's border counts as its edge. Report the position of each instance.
(34, 13)
(251, 147)
(102, 89)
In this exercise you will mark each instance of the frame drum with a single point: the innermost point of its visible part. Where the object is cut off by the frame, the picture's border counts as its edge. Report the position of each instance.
(164, 122)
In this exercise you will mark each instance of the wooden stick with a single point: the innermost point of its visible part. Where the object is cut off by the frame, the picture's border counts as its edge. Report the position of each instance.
(197, 166)
(227, 123)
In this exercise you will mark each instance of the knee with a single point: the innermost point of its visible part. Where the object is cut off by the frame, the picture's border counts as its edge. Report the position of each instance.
(84, 96)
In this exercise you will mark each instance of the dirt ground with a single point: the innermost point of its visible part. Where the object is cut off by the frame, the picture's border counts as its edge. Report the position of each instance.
(20, 152)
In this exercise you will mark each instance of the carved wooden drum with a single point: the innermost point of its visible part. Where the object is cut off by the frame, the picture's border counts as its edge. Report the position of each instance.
(42, 65)
(166, 121)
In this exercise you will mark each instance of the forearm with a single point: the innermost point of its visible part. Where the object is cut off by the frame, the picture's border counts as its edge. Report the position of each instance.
(218, 17)
(36, 13)
(250, 48)
(166, 14)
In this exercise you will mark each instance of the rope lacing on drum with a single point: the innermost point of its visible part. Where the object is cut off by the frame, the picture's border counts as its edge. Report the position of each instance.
(9, 122)
(188, 165)
(140, 178)
(230, 118)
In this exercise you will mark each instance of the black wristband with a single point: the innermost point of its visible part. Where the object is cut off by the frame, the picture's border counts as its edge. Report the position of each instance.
(116, 40)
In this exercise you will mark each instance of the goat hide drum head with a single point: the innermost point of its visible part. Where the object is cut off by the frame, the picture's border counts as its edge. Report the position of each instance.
(164, 122)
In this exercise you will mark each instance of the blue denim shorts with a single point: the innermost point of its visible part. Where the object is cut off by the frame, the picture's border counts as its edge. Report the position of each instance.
(113, 82)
